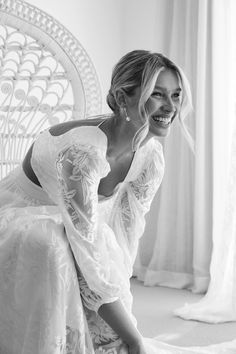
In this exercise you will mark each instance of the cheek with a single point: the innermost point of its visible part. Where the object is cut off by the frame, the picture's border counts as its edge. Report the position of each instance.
(178, 106)
(152, 105)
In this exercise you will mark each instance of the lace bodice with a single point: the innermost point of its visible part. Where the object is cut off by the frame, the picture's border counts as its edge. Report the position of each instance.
(103, 233)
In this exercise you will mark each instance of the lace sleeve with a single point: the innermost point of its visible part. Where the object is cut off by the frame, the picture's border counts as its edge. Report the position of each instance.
(79, 169)
(134, 202)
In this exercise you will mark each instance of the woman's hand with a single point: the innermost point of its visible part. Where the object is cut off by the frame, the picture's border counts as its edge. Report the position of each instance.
(137, 348)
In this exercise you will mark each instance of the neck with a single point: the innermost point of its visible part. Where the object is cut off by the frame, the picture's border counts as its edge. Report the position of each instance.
(120, 134)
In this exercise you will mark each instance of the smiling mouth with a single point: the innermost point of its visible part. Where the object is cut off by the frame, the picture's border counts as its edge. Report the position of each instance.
(163, 120)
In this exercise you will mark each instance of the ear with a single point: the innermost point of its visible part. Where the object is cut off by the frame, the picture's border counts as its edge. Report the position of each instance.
(121, 98)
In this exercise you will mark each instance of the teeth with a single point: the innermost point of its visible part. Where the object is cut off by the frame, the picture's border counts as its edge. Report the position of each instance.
(161, 119)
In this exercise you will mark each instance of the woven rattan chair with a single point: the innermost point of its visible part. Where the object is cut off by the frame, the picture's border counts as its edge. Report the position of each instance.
(46, 77)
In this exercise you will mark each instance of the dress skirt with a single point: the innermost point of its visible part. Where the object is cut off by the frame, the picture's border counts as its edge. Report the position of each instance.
(41, 308)
(42, 291)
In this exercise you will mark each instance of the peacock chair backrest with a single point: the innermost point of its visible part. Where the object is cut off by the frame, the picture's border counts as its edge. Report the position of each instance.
(46, 77)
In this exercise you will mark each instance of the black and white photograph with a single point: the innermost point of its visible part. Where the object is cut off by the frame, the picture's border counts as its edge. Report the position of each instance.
(118, 177)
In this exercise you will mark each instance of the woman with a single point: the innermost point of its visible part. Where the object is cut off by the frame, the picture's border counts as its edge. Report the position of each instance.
(72, 214)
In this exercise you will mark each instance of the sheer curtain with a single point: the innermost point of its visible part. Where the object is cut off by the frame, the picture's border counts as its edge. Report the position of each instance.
(219, 304)
(187, 214)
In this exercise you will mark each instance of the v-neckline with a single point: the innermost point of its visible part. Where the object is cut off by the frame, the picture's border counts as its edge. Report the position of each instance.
(115, 190)
(129, 169)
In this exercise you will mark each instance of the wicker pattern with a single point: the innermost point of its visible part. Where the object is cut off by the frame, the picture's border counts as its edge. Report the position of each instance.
(46, 77)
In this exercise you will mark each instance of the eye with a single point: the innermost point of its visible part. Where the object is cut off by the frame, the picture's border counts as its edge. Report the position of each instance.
(157, 94)
(176, 95)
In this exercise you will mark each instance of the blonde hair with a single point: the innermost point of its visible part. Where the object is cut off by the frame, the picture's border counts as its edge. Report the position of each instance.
(140, 68)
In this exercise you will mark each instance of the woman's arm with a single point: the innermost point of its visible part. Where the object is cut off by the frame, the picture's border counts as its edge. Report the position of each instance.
(99, 261)
(134, 199)
(116, 316)
(96, 253)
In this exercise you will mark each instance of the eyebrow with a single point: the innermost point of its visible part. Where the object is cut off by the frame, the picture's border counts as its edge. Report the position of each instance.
(163, 88)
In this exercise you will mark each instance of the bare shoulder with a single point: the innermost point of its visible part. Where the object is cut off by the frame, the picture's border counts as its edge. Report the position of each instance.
(57, 130)
(62, 128)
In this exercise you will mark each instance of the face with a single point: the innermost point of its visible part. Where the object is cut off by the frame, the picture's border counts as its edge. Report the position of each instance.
(164, 103)
(162, 106)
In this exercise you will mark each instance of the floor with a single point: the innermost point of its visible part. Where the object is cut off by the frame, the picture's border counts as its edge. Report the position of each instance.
(153, 307)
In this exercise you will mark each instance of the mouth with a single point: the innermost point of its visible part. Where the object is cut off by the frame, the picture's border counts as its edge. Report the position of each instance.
(163, 121)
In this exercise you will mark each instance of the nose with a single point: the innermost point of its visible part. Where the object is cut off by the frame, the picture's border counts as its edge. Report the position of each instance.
(168, 105)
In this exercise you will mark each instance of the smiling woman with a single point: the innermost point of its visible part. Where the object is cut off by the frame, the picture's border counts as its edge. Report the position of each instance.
(164, 104)
(150, 86)
(71, 217)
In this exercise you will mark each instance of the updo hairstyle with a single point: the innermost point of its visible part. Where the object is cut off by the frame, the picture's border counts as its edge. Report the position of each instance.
(140, 68)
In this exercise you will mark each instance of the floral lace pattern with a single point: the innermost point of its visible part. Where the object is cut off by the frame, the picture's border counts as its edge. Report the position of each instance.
(78, 174)
(78, 166)
(60, 262)
(146, 185)
(89, 297)
(127, 218)
(61, 258)
(100, 331)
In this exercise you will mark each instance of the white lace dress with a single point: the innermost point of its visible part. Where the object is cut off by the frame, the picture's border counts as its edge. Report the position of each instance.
(64, 250)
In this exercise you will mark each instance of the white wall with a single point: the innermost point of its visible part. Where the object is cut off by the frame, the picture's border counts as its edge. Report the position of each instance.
(97, 25)
(143, 25)
(107, 29)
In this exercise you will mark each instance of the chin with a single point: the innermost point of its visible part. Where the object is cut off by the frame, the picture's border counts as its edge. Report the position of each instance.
(160, 132)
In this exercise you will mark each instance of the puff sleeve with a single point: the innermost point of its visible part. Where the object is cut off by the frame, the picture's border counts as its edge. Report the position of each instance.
(93, 243)
(134, 201)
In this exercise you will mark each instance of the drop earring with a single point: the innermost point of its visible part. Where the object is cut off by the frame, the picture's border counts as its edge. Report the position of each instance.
(127, 118)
